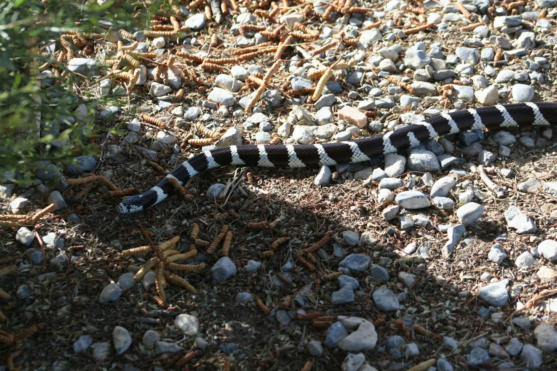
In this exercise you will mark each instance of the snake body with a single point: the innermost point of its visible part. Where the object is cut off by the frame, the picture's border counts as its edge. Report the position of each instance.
(298, 156)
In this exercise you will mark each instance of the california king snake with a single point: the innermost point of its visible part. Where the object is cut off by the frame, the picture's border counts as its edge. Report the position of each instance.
(296, 156)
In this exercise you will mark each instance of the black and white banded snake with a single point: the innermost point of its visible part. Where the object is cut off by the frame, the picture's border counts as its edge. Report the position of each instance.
(296, 156)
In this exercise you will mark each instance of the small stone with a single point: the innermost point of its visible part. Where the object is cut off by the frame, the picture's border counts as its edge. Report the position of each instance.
(150, 338)
(343, 296)
(223, 269)
(122, 339)
(390, 212)
(390, 184)
(126, 281)
(546, 274)
(530, 186)
(470, 213)
(442, 187)
(196, 22)
(531, 356)
(353, 116)
(351, 238)
(187, 323)
(356, 262)
(385, 300)
(110, 293)
(444, 365)
(323, 178)
(423, 160)
(478, 356)
(412, 200)
(100, 351)
(514, 347)
(497, 254)
(379, 273)
(165, 347)
(158, 90)
(364, 338)
(455, 235)
(82, 344)
(214, 191)
(385, 195)
(24, 236)
(407, 279)
(525, 260)
(517, 220)
(411, 350)
(496, 350)
(315, 348)
(352, 362)
(221, 96)
(548, 249)
(23, 292)
(19, 204)
(522, 322)
(84, 66)
(335, 334)
(495, 294)
(348, 281)
(522, 93)
(394, 164)
(546, 336)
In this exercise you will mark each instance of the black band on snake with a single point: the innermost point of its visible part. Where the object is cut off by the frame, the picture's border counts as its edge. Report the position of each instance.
(295, 156)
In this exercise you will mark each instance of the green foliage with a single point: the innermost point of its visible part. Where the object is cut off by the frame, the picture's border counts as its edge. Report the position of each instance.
(38, 119)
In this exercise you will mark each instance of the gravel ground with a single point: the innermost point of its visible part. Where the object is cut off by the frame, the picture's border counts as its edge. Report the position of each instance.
(442, 257)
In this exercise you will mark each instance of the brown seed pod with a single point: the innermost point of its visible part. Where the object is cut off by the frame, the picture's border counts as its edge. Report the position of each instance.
(5, 338)
(9, 224)
(458, 82)
(262, 307)
(145, 268)
(249, 56)
(258, 93)
(351, 41)
(267, 254)
(252, 48)
(175, 23)
(257, 226)
(303, 91)
(317, 283)
(312, 258)
(464, 11)
(309, 316)
(302, 36)
(328, 11)
(136, 251)
(134, 80)
(169, 244)
(372, 26)
(278, 242)
(123, 75)
(43, 212)
(424, 365)
(224, 7)
(358, 10)
(159, 169)
(331, 276)
(176, 184)
(226, 365)
(275, 140)
(216, 242)
(306, 263)
(190, 57)
(201, 243)
(286, 302)
(213, 133)
(162, 27)
(184, 256)
(321, 84)
(283, 47)
(185, 359)
(160, 302)
(214, 39)
(195, 4)
(121, 193)
(543, 13)
(7, 270)
(308, 366)
(211, 66)
(305, 29)
(472, 27)
(250, 27)
(186, 268)
(324, 48)
(131, 60)
(126, 35)
(160, 33)
(256, 80)
(153, 120)
(498, 55)
(221, 217)
(194, 231)
(410, 31)
(272, 71)
(226, 244)
(400, 83)
(28, 332)
(179, 281)
(201, 142)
